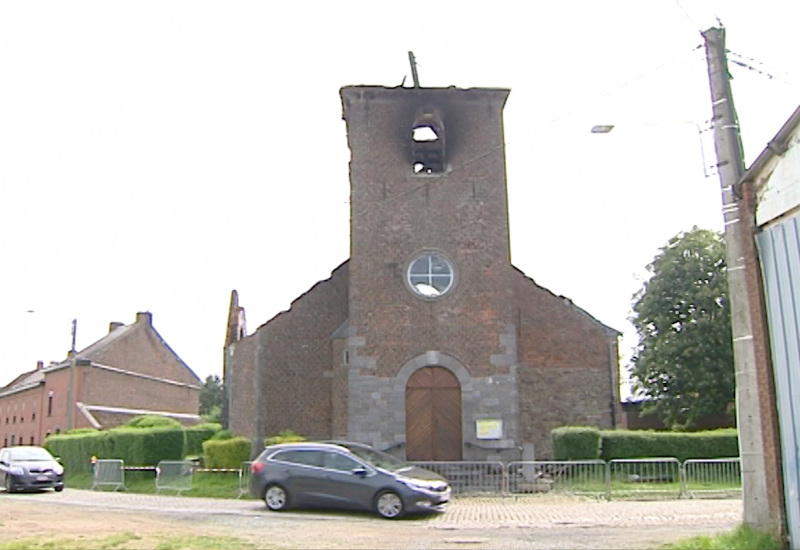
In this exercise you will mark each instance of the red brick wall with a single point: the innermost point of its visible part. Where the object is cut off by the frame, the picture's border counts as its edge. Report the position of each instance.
(293, 352)
(566, 367)
(397, 214)
(141, 350)
(19, 416)
(116, 389)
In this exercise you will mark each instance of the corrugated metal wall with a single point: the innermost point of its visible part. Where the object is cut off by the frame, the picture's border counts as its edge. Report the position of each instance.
(779, 251)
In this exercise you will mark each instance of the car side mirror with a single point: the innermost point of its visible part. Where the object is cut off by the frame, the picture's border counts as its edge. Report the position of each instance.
(361, 472)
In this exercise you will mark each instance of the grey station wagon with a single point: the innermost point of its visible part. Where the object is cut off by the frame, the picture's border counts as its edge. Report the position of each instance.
(344, 475)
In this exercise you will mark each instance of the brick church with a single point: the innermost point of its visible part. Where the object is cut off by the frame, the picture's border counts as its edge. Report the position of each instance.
(427, 342)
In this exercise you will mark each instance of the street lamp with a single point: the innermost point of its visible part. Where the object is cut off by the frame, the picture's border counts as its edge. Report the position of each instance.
(607, 128)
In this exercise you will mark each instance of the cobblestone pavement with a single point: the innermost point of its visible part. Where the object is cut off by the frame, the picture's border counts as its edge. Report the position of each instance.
(537, 521)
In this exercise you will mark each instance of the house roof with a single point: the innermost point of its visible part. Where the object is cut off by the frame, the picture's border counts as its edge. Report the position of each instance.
(23, 382)
(776, 147)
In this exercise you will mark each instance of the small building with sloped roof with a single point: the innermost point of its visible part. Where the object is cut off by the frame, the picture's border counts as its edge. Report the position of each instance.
(129, 372)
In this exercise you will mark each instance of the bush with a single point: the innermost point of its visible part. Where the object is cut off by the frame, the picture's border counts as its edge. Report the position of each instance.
(153, 421)
(226, 453)
(223, 434)
(196, 435)
(140, 447)
(76, 450)
(576, 443)
(286, 436)
(619, 444)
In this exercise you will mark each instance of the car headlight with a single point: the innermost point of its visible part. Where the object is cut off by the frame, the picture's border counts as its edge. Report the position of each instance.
(417, 483)
(17, 471)
(58, 470)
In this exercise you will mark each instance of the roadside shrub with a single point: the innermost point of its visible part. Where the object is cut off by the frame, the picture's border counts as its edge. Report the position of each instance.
(153, 421)
(576, 443)
(617, 444)
(286, 436)
(76, 450)
(140, 447)
(196, 435)
(226, 453)
(223, 434)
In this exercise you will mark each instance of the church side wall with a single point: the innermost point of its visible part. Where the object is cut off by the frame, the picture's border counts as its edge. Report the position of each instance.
(566, 367)
(240, 376)
(294, 362)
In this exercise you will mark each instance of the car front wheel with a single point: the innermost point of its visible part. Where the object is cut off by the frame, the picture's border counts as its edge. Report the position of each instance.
(9, 485)
(276, 498)
(389, 505)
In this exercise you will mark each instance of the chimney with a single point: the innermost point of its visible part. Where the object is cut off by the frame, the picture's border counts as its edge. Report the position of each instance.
(144, 317)
(114, 325)
(39, 365)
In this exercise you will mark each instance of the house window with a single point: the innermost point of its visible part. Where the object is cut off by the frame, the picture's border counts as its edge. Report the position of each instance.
(31, 440)
(33, 416)
(50, 404)
(14, 419)
(13, 439)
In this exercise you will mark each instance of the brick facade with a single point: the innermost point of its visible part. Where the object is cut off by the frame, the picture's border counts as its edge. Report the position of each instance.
(130, 368)
(338, 363)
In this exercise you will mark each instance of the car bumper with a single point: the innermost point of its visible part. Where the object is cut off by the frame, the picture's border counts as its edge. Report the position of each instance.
(35, 482)
(428, 501)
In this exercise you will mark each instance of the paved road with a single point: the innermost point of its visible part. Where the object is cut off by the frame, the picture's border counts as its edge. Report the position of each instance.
(542, 521)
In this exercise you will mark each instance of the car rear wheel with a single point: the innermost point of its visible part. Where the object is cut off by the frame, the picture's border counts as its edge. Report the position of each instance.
(389, 505)
(276, 498)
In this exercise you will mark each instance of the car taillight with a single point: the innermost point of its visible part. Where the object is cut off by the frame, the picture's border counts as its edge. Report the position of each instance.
(256, 467)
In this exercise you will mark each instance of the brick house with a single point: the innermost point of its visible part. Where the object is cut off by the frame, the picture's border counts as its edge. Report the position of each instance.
(130, 371)
(427, 342)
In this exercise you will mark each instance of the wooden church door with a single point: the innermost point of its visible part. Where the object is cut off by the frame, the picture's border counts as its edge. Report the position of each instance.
(433, 415)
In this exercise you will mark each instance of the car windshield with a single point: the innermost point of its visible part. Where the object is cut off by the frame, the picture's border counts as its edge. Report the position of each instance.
(30, 453)
(377, 458)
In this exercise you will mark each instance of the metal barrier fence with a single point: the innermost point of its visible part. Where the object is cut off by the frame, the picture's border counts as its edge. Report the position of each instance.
(470, 477)
(647, 478)
(644, 478)
(630, 478)
(568, 477)
(244, 479)
(108, 473)
(174, 475)
(721, 477)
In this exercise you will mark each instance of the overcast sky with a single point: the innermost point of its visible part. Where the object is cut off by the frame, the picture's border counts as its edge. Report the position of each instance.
(155, 155)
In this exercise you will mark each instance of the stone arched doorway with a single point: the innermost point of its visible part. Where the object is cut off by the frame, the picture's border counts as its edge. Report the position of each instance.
(433, 415)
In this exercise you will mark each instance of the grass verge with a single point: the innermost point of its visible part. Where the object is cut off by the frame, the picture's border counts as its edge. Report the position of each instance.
(130, 541)
(741, 538)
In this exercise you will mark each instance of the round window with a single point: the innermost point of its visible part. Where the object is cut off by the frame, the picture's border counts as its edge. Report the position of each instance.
(430, 275)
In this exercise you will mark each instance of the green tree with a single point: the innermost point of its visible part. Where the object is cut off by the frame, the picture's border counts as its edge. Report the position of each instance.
(211, 397)
(683, 363)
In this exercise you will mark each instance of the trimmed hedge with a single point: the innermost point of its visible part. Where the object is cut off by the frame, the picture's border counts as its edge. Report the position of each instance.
(576, 443)
(226, 453)
(135, 446)
(196, 435)
(722, 443)
(588, 443)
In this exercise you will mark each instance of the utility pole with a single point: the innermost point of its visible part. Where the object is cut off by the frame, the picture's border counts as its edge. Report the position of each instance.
(761, 511)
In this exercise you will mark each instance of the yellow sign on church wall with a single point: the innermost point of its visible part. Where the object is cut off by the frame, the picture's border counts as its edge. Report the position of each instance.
(489, 428)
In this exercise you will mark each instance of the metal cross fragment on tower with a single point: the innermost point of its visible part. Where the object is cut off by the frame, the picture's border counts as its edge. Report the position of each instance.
(414, 75)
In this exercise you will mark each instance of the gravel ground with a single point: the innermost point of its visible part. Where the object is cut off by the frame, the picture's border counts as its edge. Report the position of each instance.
(542, 521)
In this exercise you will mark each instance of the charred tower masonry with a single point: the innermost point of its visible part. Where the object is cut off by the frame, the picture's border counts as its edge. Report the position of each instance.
(427, 341)
(432, 345)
